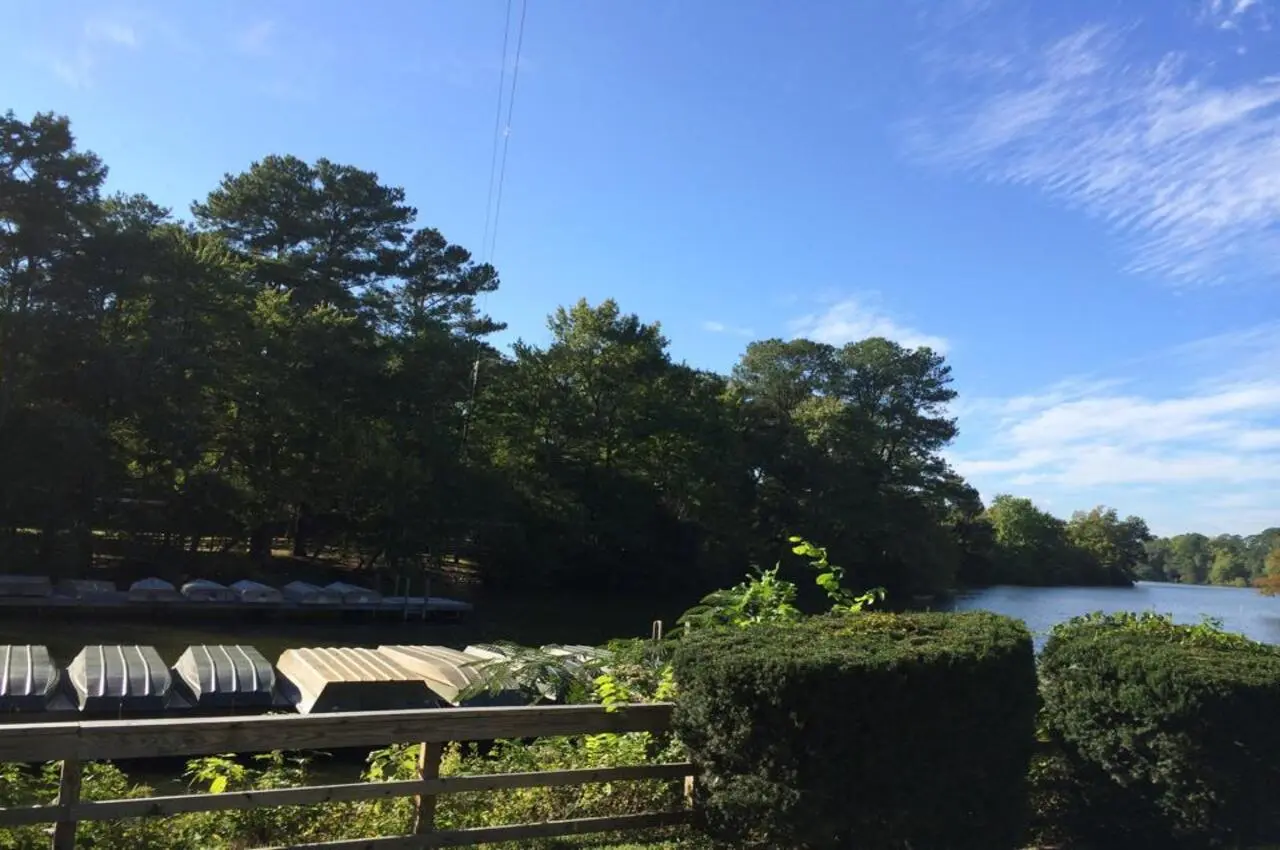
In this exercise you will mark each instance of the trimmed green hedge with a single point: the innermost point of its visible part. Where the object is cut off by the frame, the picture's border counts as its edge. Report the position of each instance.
(1171, 733)
(867, 730)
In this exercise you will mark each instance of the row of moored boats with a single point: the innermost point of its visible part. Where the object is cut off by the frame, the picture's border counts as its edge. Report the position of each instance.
(156, 591)
(117, 681)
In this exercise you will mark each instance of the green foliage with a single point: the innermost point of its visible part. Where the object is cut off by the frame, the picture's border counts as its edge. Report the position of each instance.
(873, 730)
(307, 360)
(830, 579)
(289, 825)
(764, 597)
(1034, 547)
(1228, 559)
(1168, 731)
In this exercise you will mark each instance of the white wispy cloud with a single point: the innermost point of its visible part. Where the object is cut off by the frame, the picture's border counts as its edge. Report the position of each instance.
(78, 56)
(75, 69)
(722, 328)
(256, 38)
(851, 319)
(1235, 14)
(1205, 455)
(1185, 169)
(112, 32)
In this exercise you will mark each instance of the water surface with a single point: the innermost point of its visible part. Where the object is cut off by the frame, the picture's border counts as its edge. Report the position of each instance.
(1241, 609)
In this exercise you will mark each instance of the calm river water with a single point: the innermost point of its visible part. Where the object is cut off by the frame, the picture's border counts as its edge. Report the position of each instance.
(536, 620)
(1242, 610)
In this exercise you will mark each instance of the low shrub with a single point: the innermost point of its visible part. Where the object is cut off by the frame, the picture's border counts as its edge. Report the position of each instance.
(862, 730)
(1170, 732)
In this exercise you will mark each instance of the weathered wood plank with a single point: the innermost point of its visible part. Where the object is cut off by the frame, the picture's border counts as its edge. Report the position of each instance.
(166, 806)
(120, 739)
(28, 815)
(64, 830)
(424, 815)
(513, 832)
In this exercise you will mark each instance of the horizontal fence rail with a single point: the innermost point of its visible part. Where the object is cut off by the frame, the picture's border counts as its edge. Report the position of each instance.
(73, 744)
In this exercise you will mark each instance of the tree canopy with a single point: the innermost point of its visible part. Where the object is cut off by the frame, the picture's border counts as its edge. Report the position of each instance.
(303, 359)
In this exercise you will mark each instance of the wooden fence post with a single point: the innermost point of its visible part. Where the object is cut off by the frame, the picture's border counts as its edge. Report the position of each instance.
(64, 830)
(428, 768)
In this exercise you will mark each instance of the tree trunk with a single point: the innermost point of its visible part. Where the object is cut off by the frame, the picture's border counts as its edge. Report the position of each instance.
(301, 525)
(260, 543)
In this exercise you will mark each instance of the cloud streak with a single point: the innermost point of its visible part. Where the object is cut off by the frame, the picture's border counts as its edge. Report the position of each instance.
(722, 328)
(1205, 456)
(255, 39)
(112, 32)
(853, 319)
(1235, 14)
(1186, 171)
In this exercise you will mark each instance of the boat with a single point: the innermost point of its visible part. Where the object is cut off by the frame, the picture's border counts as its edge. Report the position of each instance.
(226, 677)
(28, 678)
(87, 588)
(451, 675)
(120, 680)
(153, 590)
(352, 594)
(204, 590)
(256, 593)
(25, 586)
(323, 679)
(305, 593)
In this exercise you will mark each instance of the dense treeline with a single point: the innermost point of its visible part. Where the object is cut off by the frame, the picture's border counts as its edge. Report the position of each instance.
(301, 359)
(1226, 559)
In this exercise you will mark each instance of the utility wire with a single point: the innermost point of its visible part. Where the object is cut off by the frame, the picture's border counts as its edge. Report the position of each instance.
(491, 220)
(497, 129)
(506, 133)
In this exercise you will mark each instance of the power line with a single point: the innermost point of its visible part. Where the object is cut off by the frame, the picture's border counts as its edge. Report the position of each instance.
(506, 133)
(491, 222)
(497, 128)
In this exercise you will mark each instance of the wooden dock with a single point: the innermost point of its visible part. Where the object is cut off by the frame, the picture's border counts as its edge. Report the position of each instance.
(119, 603)
(74, 744)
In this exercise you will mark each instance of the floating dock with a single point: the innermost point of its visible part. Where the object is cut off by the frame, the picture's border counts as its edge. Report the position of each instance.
(156, 597)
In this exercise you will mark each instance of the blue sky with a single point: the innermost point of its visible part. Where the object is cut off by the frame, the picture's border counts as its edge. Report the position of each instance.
(1077, 202)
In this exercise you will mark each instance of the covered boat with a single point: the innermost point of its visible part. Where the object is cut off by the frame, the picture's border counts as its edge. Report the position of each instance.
(445, 605)
(305, 593)
(325, 679)
(456, 677)
(28, 586)
(153, 590)
(217, 676)
(120, 679)
(256, 593)
(204, 590)
(354, 594)
(86, 588)
(28, 678)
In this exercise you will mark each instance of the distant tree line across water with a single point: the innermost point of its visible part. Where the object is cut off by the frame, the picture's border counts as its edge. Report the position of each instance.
(1230, 559)
(301, 358)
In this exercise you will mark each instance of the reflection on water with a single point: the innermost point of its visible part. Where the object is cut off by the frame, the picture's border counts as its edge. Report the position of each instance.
(1242, 610)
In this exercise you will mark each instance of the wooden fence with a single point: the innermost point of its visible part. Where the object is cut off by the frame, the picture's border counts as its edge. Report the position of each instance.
(73, 744)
